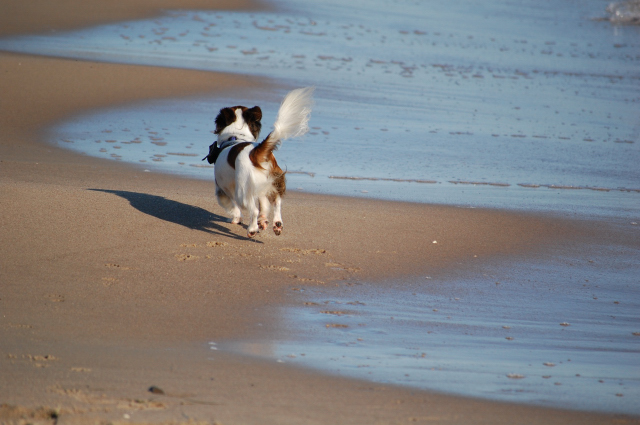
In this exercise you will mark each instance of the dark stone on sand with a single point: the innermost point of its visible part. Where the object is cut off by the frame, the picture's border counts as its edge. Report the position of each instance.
(155, 390)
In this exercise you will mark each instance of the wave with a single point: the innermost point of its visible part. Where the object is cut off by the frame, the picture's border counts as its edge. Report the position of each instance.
(625, 12)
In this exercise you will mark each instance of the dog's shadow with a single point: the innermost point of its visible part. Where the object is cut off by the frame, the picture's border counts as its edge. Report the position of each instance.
(189, 216)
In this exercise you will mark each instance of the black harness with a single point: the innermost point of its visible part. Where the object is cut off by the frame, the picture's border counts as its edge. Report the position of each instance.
(214, 149)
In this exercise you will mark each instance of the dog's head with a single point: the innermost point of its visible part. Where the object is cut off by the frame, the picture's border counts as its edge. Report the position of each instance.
(239, 122)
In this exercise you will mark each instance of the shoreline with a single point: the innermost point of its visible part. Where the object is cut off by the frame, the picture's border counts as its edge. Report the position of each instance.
(115, 278)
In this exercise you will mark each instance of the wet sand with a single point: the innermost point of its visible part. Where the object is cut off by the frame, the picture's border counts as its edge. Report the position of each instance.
(114, 279)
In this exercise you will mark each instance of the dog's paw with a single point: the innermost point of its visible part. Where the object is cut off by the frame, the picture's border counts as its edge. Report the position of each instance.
(252, 230)
(263, 223)
(236, 220)
(277, 228)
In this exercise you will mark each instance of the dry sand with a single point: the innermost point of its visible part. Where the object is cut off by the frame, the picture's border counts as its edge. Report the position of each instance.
(38, 16)
(113, 279)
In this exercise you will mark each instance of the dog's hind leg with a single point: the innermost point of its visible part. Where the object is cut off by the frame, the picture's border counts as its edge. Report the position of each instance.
(246, 197)
(229, 205)
(264, 213)
(280, 186)
(253, 218)
(277, 215)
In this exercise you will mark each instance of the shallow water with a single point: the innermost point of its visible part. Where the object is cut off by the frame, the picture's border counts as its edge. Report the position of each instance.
(559, 331)
(530, 105)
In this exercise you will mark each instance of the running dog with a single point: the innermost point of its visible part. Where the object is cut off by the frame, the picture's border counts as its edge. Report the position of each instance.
(247, 174)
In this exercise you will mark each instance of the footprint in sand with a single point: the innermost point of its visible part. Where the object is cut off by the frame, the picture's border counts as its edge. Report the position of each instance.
(304, 251)
(334, 312)
(186, 257)
(81, 369)
(45, 358)
(37, 360)
(116, 266)
(108, 281)
(275, 268)
(19, 326)
(341, 267)
(107, 402)
(215, 244)
(306, 279)
(55, 298)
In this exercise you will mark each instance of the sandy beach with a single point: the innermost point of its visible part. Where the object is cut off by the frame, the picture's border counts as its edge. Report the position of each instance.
(113, 279)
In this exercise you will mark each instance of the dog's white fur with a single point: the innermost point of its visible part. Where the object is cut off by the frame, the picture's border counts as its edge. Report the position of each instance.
(255, 181)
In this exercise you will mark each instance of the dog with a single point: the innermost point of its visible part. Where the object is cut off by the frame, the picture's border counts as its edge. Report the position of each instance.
(247, 175)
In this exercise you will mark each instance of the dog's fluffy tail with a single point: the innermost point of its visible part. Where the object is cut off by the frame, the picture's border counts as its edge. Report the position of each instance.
(292, 121)
(293, 115)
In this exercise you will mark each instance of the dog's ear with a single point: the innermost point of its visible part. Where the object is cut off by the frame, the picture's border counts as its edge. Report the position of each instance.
(224, 118)
(252, 117)
(253, 114)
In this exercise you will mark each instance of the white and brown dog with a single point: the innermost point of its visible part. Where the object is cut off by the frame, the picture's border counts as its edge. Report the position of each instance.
(247, 174)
